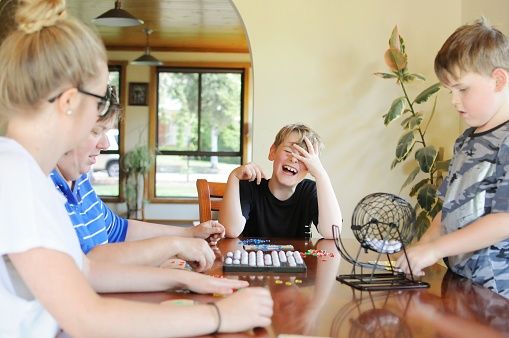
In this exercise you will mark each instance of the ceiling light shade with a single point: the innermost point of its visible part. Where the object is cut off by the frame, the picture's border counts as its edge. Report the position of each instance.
(146, 59)
(117, 17)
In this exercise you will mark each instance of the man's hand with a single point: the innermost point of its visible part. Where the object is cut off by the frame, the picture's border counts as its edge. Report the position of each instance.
(212, 231)
(249, 172)
(309, 157)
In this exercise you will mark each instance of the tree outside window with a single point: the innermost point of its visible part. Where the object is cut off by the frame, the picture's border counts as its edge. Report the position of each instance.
(199, 128)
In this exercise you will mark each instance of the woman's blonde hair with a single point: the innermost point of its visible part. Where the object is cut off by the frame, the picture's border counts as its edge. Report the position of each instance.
(478, 48)
(47, 51)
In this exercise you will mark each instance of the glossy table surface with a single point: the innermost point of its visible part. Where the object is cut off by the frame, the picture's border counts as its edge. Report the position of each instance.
(316, 304)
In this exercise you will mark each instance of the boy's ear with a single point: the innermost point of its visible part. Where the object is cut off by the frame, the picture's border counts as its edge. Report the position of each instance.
(272, 152)
(500, 75)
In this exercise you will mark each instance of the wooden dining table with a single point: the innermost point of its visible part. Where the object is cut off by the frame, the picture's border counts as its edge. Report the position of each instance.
(314, 303)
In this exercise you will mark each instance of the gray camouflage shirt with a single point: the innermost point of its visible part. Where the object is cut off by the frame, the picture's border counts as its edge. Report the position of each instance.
(478, 184)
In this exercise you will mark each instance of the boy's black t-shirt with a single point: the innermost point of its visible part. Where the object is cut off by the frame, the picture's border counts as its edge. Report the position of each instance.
(266, 216)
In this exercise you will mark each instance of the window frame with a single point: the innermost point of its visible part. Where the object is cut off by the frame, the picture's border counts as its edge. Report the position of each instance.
(245, 68)
(119, 66)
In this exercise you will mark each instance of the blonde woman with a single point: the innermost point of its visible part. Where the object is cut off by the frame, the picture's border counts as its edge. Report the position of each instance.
(53, 87)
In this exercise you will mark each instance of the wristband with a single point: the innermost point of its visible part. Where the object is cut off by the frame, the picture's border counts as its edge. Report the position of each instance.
(214, 305)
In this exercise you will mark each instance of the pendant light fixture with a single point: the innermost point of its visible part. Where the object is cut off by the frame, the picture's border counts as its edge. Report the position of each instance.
(117, 17)
(146, 59)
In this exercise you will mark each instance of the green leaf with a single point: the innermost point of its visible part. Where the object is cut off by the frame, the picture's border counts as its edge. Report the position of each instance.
(395, 111)
(418, 186)
(395, 163)
(419, 76)
(426, 93)
(405, 144)
(442, 165)
(386, 75)
(411, 177)
(394, 41)
(427, 196)
(436, 209)
(426, 157)
(412, 122)
(422, 223)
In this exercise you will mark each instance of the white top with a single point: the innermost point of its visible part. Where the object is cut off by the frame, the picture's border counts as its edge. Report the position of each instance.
(32, 215)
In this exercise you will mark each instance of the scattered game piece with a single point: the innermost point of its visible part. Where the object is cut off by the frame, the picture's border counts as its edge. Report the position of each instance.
(278, 281)
(288, 283)
(298, 281)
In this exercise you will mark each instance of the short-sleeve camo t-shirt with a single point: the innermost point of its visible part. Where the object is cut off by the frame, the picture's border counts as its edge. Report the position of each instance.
(478, 184)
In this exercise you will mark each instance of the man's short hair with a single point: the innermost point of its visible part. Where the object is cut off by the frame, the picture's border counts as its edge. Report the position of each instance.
(114, 110)
(301, 130)
(477, 47)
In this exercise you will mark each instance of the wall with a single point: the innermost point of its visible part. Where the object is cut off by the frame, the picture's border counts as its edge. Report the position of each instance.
(313, 62)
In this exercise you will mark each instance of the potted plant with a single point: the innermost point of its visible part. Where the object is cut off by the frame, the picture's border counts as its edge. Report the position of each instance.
(136, 164)
(426, 161)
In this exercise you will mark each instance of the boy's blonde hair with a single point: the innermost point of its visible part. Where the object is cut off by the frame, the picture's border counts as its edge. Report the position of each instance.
(478, 48)
(47, 51)
(301, 130)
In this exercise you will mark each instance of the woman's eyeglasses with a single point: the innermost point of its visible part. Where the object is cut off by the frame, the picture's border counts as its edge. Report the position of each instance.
(102, 105)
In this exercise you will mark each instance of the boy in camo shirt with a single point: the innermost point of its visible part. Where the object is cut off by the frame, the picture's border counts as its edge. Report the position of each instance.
(471, 232)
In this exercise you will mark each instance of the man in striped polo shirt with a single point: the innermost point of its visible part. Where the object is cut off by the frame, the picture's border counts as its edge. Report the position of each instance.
(106, 236)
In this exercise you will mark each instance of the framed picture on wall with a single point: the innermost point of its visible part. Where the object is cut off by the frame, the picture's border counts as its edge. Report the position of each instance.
(138, 94)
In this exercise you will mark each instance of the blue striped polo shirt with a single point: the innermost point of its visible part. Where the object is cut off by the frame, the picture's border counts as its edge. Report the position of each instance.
(93, 221)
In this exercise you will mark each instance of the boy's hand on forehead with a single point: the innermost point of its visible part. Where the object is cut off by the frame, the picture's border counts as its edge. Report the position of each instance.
(249, 172)
(309, 157)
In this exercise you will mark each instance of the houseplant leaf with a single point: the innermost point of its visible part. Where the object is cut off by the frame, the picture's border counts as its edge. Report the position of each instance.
(395, 111)
(427, 196)
(418, 186)
(412, 122)
(422, 222)
(419, 76)
(405, 143)
(386, 75)
(395, 59)
(394, 40)
(426, 93)
(442, 165)
(426, 157)
(411, 176)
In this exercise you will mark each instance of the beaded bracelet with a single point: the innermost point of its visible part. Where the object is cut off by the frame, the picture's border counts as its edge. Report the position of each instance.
(218, 317)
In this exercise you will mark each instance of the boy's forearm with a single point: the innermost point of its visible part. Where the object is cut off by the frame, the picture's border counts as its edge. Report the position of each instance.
(482, 233)
(153, 251)
(329, 212)
(230, 215)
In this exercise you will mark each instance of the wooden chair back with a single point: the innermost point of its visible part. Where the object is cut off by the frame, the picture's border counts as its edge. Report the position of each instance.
(210, 197)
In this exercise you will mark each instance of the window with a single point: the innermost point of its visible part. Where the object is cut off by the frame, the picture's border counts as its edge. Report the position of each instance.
(105, 172)
(199, 127)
